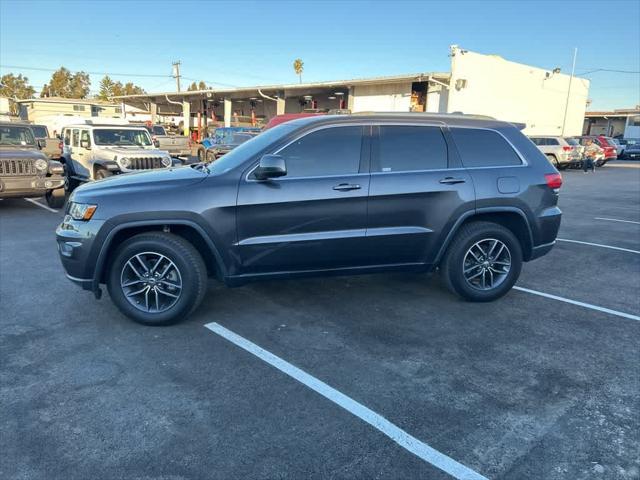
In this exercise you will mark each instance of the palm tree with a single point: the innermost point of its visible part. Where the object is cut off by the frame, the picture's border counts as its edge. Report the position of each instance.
(298, 67)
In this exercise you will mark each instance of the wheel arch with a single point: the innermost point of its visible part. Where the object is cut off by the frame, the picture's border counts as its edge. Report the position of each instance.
(189, 230)
(509, 217)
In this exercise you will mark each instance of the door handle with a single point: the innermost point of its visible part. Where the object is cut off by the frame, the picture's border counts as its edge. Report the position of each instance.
(452, 180)
(347, 186)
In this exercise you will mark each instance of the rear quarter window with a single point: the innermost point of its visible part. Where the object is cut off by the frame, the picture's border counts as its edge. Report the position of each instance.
(483, 148)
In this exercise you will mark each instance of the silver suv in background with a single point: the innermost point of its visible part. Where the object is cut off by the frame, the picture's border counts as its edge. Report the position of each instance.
(562, 152)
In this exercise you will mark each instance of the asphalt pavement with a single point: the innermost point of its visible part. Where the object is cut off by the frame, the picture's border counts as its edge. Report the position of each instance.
(542, 384)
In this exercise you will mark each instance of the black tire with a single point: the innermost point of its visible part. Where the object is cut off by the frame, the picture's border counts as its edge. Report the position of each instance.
(210, 157)
(452, 267)
(70, 183)
(102, 173)
(55, 198)
(202, 156)
(191, 270)
(553, 160)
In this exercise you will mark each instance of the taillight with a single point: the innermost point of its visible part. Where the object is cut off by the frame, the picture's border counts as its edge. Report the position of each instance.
(554, 180)
(567, 148)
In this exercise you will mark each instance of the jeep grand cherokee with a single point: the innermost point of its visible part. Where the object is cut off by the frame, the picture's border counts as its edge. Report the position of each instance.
(348, 194)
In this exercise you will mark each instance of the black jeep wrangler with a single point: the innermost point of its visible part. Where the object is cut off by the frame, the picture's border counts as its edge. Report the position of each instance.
(25, 171)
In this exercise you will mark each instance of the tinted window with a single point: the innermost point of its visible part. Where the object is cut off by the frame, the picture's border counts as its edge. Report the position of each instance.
(552, 141)
(572, 141)
(84, 136)
(158, 130)
(76, 134)
(406, 148)
(537, 141)
(40, 131)
(484, 148)
(67, 137)
(330, 151)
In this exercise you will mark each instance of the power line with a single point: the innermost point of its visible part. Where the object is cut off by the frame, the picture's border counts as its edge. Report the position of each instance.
(41, 69)
(609, 70)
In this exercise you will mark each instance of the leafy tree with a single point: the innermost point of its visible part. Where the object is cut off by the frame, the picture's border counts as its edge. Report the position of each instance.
(197, 86)
(67, 85)
(106, 88)
(298, 67)
(15, 86)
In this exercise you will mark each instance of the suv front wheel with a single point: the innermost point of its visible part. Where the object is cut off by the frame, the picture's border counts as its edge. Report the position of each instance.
(157, 278)
(483, 262)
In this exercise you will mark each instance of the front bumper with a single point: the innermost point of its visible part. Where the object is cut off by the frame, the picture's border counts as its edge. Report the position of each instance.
(78, 249)
(28, 186)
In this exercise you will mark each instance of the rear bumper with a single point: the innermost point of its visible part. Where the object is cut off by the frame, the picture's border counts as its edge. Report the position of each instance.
(541, 250)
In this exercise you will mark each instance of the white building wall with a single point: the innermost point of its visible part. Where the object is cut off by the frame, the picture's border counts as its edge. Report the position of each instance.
(632, 129)
(388, 97)
(515, 92)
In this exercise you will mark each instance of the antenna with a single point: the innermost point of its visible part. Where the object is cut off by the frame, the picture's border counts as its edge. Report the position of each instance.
(176, 73)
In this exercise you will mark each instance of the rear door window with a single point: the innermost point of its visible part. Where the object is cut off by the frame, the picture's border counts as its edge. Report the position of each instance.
(552, 141)
(330, 151)
(76, 136)
(403, 148)
(483, 148)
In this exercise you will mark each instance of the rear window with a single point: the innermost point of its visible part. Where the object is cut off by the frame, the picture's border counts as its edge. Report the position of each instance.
(410, 148)
(40, 131)
(158, 130)
(572, 141)
(484, 148)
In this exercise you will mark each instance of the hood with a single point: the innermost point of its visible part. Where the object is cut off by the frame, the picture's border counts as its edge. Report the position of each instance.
(21, 153)
(132, 150)
(139, 183)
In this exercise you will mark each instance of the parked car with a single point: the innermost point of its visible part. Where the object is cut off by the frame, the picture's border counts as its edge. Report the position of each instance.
(176, 145)
(614, 142)
(632, 149)
(25, 171)
(316, 196)
(222, 135)
(626, 143)
(93, 152)
(609, 151)
(229, 142)
(561, 152)
(51, 145)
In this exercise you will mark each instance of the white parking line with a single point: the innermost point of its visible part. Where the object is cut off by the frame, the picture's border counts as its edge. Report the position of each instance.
(617, 220)
(580, 304)
(31, 200)
(402, 438)
(599, 245)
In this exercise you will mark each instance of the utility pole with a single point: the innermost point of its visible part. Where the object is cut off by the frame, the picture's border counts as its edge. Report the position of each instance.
(566, 106)
(176, 73)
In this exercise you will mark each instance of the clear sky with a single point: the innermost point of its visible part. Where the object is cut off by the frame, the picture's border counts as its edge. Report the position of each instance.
(252, 43)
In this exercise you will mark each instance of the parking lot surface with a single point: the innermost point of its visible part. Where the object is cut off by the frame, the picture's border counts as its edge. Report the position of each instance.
(527, 387)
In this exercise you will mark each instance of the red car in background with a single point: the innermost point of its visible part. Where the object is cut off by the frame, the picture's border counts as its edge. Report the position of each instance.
(609, 149)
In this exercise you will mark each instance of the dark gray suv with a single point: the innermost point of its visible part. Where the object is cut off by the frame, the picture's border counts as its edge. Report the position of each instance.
(347, 194)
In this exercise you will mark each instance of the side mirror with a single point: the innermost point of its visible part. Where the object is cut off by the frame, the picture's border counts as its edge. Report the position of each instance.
(42, 144)
(85, 143)
(271, 166)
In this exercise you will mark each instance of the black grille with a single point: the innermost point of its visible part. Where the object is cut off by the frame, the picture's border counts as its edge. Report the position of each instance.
(146, 163)
(17, 167)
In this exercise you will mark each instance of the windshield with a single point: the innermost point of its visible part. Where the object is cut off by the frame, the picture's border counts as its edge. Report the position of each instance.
(122, 137)
(248, 149)
(572, 141)
(40, 131)
(12, 135)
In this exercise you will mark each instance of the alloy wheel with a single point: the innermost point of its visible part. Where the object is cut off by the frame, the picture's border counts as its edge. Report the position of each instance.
(151, 282)
(486, 264)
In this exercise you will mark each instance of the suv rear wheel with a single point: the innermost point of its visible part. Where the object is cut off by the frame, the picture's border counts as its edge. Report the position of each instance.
(157, 278)
(483, 262)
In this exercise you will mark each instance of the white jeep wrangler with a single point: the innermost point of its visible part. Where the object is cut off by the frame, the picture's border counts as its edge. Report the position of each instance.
(91, 152)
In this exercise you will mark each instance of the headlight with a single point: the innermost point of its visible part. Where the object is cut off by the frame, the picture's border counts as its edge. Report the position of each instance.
(41, 164)
(125, 162)
(166, 161)
(81, 211)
